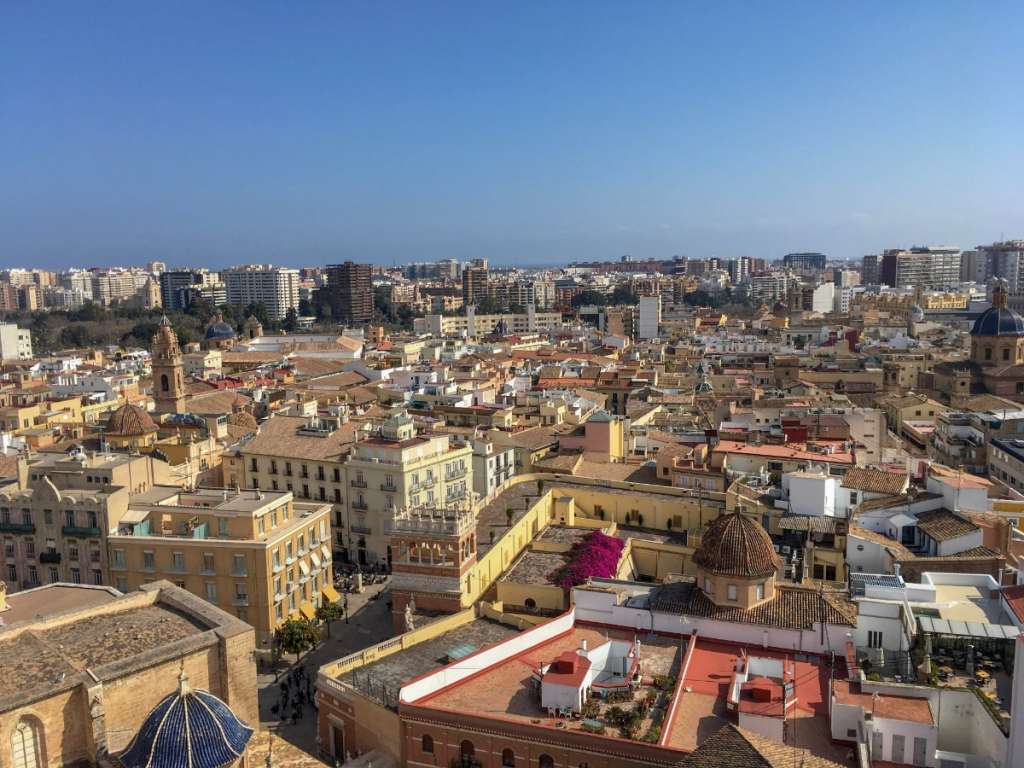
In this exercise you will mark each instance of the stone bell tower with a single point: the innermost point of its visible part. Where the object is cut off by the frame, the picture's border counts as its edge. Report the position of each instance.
(433, 554)
(168, 370)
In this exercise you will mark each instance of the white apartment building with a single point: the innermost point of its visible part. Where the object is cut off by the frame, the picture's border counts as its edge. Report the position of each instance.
(648, 317)
(769, 287)
(474, 325)
(275, 287)
(492, 466)
(15, 342)
(822, 298)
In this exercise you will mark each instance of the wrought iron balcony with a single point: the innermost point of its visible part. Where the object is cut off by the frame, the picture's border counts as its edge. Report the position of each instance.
(17, 527)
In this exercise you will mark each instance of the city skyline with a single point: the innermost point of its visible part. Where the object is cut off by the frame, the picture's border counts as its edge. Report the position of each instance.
(542, 136)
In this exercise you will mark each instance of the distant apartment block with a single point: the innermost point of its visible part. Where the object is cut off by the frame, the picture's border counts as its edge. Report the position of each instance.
(805, 262)
(348, 294)
(277, 288)
(923, 267)
(474, 325)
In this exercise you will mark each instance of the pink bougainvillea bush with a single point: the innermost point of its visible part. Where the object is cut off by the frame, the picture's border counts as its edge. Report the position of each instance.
(595, 556)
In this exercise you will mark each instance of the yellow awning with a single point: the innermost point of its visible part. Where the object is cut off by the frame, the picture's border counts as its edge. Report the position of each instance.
(330, 593)
(306, 609)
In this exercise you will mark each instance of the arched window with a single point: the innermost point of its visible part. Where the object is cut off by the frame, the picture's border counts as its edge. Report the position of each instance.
(427, 743)
(27, 745)
(530, 603)
(164, 382)
(545, 761)
(466, 749)
(508, 758)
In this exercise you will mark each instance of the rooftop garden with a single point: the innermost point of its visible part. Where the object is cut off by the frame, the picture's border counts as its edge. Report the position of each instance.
(595, 556)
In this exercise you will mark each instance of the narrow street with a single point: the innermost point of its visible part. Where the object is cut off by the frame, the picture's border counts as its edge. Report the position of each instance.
(369, 623)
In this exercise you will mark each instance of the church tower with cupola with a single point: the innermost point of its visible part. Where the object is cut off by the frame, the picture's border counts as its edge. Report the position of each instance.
(168, 370)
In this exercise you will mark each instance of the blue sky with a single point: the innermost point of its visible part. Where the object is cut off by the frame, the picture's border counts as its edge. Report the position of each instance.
(303, 133)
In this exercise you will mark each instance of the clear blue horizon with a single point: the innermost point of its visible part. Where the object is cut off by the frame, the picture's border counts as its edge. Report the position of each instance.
(529, 133)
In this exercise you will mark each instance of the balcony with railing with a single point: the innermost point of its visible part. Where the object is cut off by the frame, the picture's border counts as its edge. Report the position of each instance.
(81, 531)
(362, 529)
(388, 487)
(360, 505)
(11, 527)
(358, 483)
(455, 474)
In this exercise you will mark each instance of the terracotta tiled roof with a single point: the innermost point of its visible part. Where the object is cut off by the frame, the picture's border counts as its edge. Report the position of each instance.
(874, 481)
(793, 607)
(884, 705)
(732, 747)
(736, 545)
(813, 523)
(942, 525)
(1014, 597)
(279, 436)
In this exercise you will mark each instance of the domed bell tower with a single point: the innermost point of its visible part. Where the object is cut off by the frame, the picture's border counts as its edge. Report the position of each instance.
(168, 370)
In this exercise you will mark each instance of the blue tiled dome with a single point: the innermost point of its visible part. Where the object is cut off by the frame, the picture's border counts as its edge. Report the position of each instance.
(188, 729)
(998, 321)
(220, 330)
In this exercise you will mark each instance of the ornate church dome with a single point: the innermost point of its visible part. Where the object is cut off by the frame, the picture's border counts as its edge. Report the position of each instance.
(998, 320)
(735, 545)
(188, 729)
(218, 330)
(130, 421)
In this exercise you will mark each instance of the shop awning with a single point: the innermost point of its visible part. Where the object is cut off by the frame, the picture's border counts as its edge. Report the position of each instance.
(326, 553)
(315, 557)
(954, 628)
(306, 609)
(330, 593)
(304, 567)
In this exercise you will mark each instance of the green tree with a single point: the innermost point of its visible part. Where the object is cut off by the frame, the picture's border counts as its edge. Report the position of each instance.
(88, 312)
(588, 297)
(76, 335)
(329, 612)
(383, 307)
(296, 636)
(623, 294)
(488, 306)
(291, 320)
(699, 299)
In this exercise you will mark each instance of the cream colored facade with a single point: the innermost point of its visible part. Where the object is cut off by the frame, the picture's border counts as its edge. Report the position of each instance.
(364, 482)
(258, 555)
(397, 471)
(55, 528)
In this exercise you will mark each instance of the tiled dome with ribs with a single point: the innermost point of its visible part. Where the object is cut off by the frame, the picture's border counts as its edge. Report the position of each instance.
(129, 420)
(189, 728)
(735, 545)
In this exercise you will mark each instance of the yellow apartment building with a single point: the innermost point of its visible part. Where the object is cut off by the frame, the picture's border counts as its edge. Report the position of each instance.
(363, 481)
(398, 470)
(258, 555)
